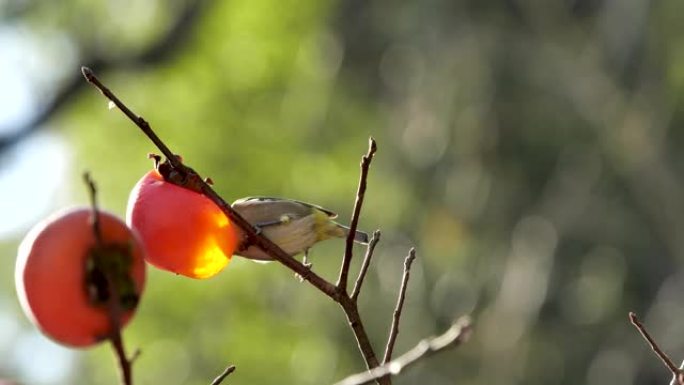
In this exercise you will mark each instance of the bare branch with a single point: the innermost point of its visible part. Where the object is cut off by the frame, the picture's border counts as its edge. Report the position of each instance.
(346, 260)
(457, 334)
(394, 331)
(230, 369)
(356, 324)
(364, 265)
(264, 243)
(139, 121)
(336, 293)
(676, 372)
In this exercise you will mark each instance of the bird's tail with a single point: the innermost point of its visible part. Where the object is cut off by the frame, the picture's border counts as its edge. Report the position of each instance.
(359, 237)
(327, 228)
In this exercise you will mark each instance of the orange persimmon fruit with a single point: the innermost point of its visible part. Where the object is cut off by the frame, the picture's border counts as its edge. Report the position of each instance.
(183, 231)
(54, 275)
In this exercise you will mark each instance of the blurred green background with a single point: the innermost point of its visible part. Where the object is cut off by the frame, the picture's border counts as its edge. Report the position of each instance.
(527, 149)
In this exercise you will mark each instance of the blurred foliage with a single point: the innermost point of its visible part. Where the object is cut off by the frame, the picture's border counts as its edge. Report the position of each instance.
(529, 150)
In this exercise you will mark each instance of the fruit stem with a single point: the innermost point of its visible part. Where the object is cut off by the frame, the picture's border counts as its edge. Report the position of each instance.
(92, 193)
(114, 303)
(116, 339)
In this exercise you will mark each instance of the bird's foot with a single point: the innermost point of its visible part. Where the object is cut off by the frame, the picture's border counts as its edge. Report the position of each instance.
(306, 263)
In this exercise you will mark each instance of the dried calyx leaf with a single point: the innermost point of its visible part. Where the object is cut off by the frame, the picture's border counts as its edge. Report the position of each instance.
(184, 177)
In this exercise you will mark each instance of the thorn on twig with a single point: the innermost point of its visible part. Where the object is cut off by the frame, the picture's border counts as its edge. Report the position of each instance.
(678, 374)
(394, 331)
(365, 265)
(230, 369)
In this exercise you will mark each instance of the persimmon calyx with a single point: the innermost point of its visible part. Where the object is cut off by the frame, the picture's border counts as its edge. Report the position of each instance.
(183, 176)
(109, 267)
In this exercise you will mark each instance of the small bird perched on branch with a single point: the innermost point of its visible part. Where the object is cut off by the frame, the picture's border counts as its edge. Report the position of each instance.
(294, 226)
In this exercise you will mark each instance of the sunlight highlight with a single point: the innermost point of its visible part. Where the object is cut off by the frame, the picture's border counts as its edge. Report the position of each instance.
(210, 261)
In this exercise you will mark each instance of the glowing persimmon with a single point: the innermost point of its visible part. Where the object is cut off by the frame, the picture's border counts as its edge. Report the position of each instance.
(59, 275)
(183, 231)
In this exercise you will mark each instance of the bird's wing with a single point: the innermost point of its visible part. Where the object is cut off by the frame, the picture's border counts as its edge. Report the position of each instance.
(294, 209)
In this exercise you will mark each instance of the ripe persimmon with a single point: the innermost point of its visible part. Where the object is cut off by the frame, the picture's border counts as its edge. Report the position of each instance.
(59, 275)
(183, 231)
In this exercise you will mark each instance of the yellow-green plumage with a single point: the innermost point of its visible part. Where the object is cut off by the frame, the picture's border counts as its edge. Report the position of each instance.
(293, 225)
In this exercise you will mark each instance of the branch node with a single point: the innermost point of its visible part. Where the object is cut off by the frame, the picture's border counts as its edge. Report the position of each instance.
(372, 147)
(219, 379)
(457, 334)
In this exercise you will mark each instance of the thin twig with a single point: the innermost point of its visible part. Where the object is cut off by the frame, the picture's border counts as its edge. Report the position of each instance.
(136, 354)
(92, 193)
(676, 372)
(114, 304)
(364, 265)
(394, 331)
(139, 121)
(360, 193)
(334, 292)
(116, 340)
(230, 369)
(457, 334)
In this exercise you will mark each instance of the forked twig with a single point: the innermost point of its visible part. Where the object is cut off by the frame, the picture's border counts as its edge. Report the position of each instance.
(456, 335)
(337, 292)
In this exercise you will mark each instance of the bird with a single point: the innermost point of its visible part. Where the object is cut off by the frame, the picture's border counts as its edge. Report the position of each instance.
(293, 225)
